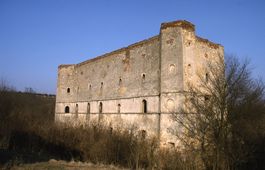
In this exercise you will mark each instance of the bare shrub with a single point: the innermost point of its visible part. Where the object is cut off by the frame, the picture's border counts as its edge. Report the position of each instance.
(223, 117)
(29, 134)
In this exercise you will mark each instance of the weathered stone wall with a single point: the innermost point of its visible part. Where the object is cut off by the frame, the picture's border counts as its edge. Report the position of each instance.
(157, 70)
(124, 77)
(121, 73)
(184, 57)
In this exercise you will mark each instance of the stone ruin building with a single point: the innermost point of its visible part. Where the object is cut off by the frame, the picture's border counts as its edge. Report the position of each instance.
(137, 86)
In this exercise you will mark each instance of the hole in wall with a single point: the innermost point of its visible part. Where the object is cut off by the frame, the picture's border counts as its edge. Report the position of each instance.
(206, 98)
(143, 76)
(100, 107)
(67, 109)
(144, 106)
(76, 108)
(207, 77)
(119, 108)
(120, 81)
(88, 108)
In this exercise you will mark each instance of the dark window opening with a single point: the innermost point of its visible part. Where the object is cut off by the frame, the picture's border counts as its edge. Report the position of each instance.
(120, 82)
(68, 90)
(76, 111)
(100, 116)
(206, 77)
(143, 76)
(88, 112)
(101, 84)
(144, 106)
(100, 107)
(119, 108)
(67, 109)
(206, 98)
(76, 108)
(88, 107)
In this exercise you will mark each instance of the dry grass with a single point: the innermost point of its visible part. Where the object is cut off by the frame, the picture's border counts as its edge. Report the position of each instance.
(63, 165)
(28, 135)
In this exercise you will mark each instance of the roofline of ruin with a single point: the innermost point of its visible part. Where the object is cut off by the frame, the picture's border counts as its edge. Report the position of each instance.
(124, 49)
(180, 23)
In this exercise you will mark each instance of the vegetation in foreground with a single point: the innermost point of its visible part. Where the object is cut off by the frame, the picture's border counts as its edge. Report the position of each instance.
(63, 165)
(224, 120)
(28, 135)
(224, 127)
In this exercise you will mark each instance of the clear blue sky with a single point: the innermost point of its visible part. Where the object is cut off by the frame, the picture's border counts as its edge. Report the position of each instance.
(38, 35)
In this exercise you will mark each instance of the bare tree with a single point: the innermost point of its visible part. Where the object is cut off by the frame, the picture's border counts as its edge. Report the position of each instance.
(29, 90)
(209, 117)
(4, 86)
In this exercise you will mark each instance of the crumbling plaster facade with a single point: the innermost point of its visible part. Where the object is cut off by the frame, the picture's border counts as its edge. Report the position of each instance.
(137, 86)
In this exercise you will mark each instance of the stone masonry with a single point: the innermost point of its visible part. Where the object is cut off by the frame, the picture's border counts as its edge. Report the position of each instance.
(137, 86)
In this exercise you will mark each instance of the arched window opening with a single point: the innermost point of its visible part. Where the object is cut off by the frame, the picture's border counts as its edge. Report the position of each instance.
(143, 76)
(88, 108)
(206, 77)
(144, 106)
(76, 111)
(100, 116)
(100, 107)
(67, 109)
(76, 108)
(88, 112)
(68, 90)
(119, 108)
(101, 85)
(120, 82)
(206, 99)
